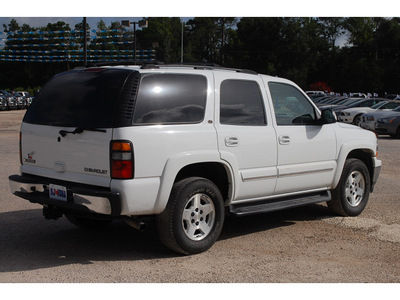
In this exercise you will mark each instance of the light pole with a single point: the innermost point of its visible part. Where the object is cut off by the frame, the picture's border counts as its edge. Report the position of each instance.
(142, 24)
(182, 42)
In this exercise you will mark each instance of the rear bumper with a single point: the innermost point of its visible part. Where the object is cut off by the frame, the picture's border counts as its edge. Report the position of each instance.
(80, 198)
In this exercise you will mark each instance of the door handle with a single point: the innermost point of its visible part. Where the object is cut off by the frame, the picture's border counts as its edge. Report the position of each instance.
(231, 141)
(284, 140)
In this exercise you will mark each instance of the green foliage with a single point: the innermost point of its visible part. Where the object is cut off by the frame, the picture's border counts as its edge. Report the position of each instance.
(302, 49)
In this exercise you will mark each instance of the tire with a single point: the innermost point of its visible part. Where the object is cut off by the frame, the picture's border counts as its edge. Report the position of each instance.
(193, 218)
(397, 136)
(357, 120)
(87, 223)
(351, 195)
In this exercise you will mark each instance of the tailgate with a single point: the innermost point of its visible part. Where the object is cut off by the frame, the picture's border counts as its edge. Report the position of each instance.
(77, 157)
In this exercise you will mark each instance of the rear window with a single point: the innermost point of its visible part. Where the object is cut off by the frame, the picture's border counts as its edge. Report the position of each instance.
(170, 99)
(83, 98)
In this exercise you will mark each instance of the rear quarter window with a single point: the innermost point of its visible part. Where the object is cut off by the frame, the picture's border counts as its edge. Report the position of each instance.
(170, 99)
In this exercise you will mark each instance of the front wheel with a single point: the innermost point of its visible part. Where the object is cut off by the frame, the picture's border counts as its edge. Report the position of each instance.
(351, 195)
(193, 218)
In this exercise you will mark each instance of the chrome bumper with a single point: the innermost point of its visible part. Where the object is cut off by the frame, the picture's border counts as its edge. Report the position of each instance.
(81, 198)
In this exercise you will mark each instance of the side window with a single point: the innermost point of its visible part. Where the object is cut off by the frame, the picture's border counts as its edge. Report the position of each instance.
(290, 105)
(170, 99)
(241, 103)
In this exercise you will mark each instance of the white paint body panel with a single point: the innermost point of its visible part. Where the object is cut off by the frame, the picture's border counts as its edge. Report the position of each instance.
(261, 161)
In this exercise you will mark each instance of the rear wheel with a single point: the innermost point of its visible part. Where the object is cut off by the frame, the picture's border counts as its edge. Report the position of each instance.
(351, 195)
(193, 218)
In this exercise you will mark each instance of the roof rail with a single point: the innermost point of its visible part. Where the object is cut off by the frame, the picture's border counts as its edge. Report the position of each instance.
(123, 62)
(158, 65)
(198, 66)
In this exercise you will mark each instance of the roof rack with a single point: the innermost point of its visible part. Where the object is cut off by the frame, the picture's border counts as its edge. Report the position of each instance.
(123, 62)
(197, 66)
(158, 65)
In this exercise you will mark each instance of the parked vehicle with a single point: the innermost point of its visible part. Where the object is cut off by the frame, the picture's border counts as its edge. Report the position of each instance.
(369, 120)
(339, 103)
(3, 103)
(20, 99)
(361, 103)
(186, 144)
(389, 125)
(315, 93)
(392, 96)
(331, 102)
(28, 98)
(353, 115)
(358, 95)
(11, 100)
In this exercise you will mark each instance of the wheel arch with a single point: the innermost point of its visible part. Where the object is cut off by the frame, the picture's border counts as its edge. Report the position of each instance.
(177, 169)
(216, 172)
(365, 155)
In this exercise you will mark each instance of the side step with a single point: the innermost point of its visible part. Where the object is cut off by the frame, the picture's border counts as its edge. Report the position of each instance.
(244, 209)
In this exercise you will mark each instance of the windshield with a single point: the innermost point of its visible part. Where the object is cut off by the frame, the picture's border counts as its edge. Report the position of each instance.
(377, 105)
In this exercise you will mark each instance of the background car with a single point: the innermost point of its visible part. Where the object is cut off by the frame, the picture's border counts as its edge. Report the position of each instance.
(3, 103)
(368, 120)
(11, 100)
(361, 103)
(389, 125)
(21, 101)
(353, 115)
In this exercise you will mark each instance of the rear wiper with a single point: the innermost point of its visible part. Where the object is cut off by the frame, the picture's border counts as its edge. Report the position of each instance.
(79, 130)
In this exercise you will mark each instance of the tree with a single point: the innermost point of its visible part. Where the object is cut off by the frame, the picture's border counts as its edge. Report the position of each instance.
(164, 35)
(333, 27)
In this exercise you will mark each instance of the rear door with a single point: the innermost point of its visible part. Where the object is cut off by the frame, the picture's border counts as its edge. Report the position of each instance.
(67, 130)
(246, 137)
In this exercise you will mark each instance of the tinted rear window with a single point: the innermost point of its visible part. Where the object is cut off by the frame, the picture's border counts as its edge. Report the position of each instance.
(83, 98)
(170, 98)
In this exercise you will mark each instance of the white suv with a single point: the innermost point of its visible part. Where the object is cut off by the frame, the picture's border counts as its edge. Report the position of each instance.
(186, 144)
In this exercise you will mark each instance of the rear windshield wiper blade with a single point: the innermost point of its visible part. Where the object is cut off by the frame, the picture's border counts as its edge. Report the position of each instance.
(79, 130)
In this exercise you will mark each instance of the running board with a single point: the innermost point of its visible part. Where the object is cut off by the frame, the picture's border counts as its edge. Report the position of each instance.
(263, 206)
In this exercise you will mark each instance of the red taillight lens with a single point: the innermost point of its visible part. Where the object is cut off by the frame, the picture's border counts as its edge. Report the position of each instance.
(121, 160)
(122, 169)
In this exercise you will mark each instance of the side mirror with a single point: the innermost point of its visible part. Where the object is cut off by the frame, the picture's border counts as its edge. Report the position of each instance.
(327, 116)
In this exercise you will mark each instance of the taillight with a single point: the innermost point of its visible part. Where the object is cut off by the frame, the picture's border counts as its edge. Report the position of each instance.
(121, 160)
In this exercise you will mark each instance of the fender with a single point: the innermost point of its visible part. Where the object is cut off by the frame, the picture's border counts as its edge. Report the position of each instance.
(344, 151)
(176, 163)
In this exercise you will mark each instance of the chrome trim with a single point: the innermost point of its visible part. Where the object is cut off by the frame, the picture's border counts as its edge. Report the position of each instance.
(95, 204)
(305, 172)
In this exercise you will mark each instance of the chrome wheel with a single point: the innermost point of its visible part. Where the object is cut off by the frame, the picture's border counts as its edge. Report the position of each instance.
(350, 196)
(198, 217)
(355, 186)
(193, 218)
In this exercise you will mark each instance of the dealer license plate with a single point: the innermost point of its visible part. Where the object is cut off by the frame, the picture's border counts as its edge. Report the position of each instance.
(58, 192)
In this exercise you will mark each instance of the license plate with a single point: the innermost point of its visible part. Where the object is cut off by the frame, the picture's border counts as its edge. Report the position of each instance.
(58, 192)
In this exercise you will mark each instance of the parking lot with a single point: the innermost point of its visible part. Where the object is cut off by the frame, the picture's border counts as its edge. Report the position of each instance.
(300, 245)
